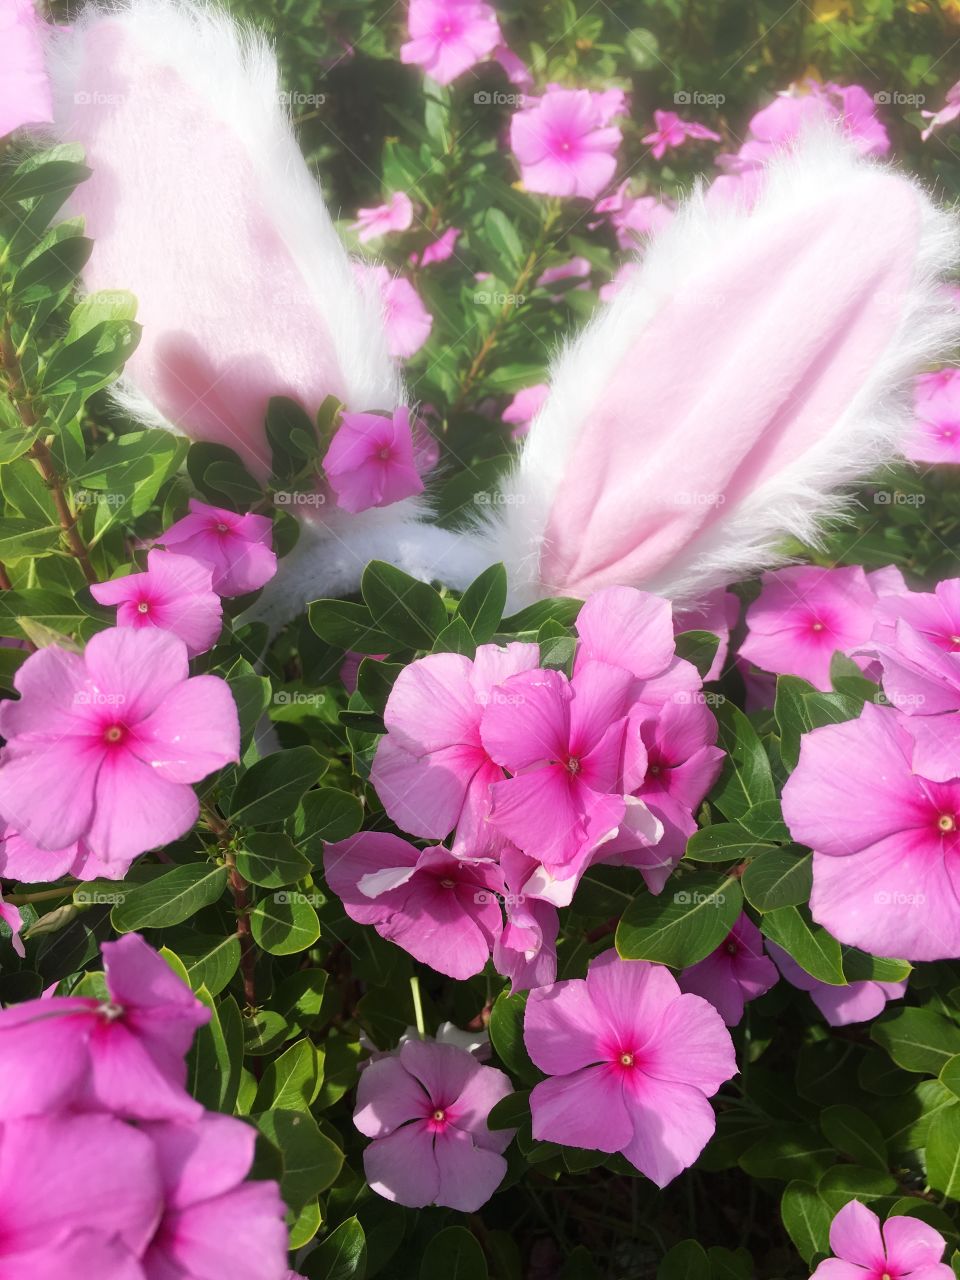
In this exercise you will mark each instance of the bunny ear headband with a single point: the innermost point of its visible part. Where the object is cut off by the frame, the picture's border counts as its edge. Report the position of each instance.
(755, 363)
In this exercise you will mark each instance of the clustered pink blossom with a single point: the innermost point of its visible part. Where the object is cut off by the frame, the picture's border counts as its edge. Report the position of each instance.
(108, 1168)
(564, 141)
(236, 548)
(737, 972)
(175, 594)
(426, 1106)
(905, 1248)
(371, 461)
(440, 249)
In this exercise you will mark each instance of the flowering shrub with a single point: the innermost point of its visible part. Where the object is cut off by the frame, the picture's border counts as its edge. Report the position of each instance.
(407, 869)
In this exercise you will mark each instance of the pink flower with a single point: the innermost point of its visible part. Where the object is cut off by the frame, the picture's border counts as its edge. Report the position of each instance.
(125, 1055)
(935, 437)
(671, 132)
(11, 917)
(447, 37)
(885, 838)
(907, 1249)
(236, 548)
(431, 770)
(24, 91)
(625, 273)
(718, 613)
(803, 616)
(735, 973)
(370, 461)
(840, 1006)
(175, 594)
(514, 67)
(632, 1062)
(407, 321)
(104, 747)
(634, 217)
(917, 641)
(426, 1108)
(526, 951)
(214, 1223)
(946, 115)
(79, 1196)
(20, 859)
(562, 740)
(438, 250)
(574, 269)
(446, 913)
(395, 215)
(563, 143)
(524, 407)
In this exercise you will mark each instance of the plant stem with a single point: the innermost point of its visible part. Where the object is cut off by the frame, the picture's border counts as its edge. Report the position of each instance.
(417, 1006)
(68, 521)
(43, 895)
(248, 954)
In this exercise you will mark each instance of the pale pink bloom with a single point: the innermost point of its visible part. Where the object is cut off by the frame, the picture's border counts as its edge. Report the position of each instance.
(370, 461)
(407, 321)
(395, 215)
(947, 113)
(564, 145)
(739, 189)
(447, 37)
(10, 915)
(524, 407)
(516, 70)
(718, 613)
(735, 973)
(104, 747)
(840, 1006)
(935, 436)
(574, 269)
(917, 642)
(426, 1108)
(858, 114)
(214, 1223)
(445, 912)
(175, 594)
(632, 1062)
(885, 838)
(125, 1055)
(526, 951)
(803, 616)
(795, 110)
(671, 132)
(80, 1195)
(562, 741)
(24, 91)
(905, 1248)
(236, 548)
(634, 217)
(431, 770)
(20, 859)
(438, 250)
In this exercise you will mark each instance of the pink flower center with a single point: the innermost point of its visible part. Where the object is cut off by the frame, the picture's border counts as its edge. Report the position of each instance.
(947, 822)
(222, 528)
(384, 454)
(732, 948)
(439, 1115)
(143, 607)
(114, 733)
(573, 765)
(448, 884)
(654, 769)
(955, 641)
(817, 626)
(626, 1059)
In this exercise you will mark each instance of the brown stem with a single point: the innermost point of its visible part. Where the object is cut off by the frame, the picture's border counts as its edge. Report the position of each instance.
(248, 954)
(68, 521)
(15, 386)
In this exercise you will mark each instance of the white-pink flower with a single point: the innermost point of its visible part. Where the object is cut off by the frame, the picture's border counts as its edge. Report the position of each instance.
(564, 143)
(447, 37)
(395, 215)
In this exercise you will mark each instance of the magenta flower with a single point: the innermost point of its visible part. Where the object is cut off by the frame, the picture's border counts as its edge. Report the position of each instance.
(949, 112)
(575, 268)
(24, 91)
(524, 407)
(236, 548)
(632, 1062)
(395, 215)
(885, 839)
(562, 740)
(214, 1223)
(431, 770)
(406, 319)
(917, 641)
(125, 1055)
(734, 974)
(904, 1249)
(803, 616)
(671, 132)
(175, 594)
(840, 1006)
(446, 913)
(564, 144)
(79, 1196)
(447, 37)
(634, 217)
(20, 859)
(370, 461)
(11, 917)
(104, 747)
(426, 1108)
(526, 951)
(438, 250)
(935, 436)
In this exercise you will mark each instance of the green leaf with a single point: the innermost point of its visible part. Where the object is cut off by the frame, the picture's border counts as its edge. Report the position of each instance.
(409, 611)
(510, 1112)
(685, 1261)
(292, 1081)
(285, 923)
(271, 789)
(113, 304)
(799, 707)
(506, 1035)
(563, 609)
(856, 1135)
(38, 176)
(943, 1153)
(214, 967)
(724, 842)
(778, 879)
(52, 270)
(859, 966)
(176, 895)
(326, 815)
(454, 1254)
(482, 604)
(455, 638)
(20, 539)
(812, 947)
(765, 821)
(311, 1161)
(746, 779)
(215, 1059)
(846, 1182)
(950, 1074)
(683, 924)
(92, 360)
(698, 647)
(917, 1039)
(788, 1152)
(341, 1256)
(807, 1219)
(500, 233)
(348, 626)
(271, 861)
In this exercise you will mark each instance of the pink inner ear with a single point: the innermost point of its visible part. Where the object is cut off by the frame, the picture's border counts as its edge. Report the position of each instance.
(228, 320)
(734, 379)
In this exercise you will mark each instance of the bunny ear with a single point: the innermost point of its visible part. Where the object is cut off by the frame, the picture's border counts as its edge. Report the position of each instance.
(755, 362)
(201, 204)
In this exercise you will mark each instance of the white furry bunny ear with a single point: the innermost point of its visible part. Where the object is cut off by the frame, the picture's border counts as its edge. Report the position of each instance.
(756, 361)
(201, 204)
